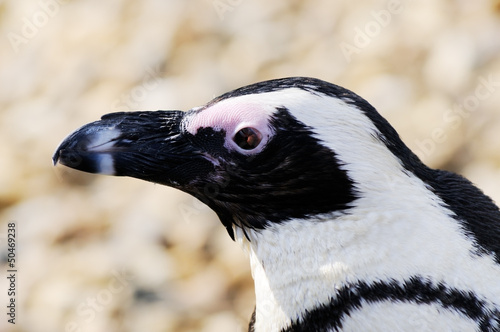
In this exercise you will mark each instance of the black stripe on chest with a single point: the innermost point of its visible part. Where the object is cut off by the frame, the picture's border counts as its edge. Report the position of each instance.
(415, 290)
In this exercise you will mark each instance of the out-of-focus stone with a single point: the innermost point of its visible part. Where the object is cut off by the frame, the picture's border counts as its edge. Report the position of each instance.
(65, 63)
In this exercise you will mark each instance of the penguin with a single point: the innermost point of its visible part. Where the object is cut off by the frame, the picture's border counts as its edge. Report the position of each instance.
(346, 229)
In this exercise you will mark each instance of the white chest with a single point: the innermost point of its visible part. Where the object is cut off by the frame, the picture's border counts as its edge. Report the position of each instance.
(298, 266)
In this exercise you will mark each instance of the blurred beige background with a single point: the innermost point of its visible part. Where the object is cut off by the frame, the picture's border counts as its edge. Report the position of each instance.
(97, 253)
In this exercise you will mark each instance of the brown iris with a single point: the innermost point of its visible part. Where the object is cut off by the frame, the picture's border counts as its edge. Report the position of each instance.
(248, 138)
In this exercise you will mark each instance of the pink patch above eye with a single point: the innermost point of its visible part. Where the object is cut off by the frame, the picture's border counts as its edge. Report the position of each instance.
(231, 115)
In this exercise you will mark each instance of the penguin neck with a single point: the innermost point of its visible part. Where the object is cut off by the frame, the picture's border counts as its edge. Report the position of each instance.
(294, 268)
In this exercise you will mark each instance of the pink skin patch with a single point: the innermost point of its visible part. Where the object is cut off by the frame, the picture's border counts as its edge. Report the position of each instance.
(231, 115)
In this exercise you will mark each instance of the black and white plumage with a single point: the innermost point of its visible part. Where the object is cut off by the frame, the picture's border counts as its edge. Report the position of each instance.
(346, 229)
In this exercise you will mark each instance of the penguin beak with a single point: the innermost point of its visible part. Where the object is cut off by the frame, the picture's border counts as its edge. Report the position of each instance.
(145, 145)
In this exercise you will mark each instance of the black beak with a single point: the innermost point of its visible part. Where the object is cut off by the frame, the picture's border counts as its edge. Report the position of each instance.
(145, 145)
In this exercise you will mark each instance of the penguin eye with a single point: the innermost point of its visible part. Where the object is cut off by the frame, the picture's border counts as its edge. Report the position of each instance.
(248, 138)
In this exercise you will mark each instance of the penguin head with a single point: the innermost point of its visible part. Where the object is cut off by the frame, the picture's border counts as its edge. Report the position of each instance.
(265, 153)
